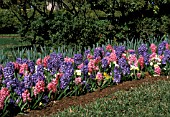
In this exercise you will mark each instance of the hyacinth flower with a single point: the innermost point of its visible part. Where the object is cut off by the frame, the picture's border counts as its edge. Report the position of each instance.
(23, 70)
(166, 58)
(117, 75)
(119, 50)
(86, 53)
(39, 87)
(105, 63)
(68, 72)
(124, 66)
(78, 59)
(78, 80)
(54, 62)
(157, 70)
(99, 76)
(26, 96)
(99, 52)
(161, 47)
(84, 71)
(45, 61)
(109, 48)
(92, 66)
(153, 48)
(4, 93)
(1, 72)
(31, 67)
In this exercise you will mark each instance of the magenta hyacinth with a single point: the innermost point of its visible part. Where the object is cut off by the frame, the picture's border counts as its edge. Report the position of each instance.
(39, 87)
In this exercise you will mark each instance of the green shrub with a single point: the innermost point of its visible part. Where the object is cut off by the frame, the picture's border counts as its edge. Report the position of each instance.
(8, 22)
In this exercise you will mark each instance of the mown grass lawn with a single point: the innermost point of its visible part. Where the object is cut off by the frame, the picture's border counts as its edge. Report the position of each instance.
(148, 100)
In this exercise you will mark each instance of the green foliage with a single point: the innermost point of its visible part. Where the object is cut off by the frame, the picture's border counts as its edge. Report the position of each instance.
(88, 22)
(8, 22)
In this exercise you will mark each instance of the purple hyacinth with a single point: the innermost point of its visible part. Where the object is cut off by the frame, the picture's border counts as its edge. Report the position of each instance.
(9, 70)
(92, 76)
(54, 62)
(117, 75)
(36, 77)
(64, 66)
(104, 63)
(119, 50)
(107, 54)
(78, 58)
(166, 57)
(161, 47)
(146, 58)
(142, 49)
(31, 66)
(40, 69)
(125, 67)
(86, 53)
(66, 78)
(21, 61)
(87, 85)
(1, 72)
(84, 71)
(27, 81)
(98, 52)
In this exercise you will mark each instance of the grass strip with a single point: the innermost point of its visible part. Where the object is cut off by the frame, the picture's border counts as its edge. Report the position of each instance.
(147, 100)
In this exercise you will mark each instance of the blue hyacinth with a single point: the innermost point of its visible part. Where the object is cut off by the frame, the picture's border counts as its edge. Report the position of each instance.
(78, 58)
(142, 49)
(166, 57)
(117, 75)
(119, 50)
(98, 52)
(125, 68)
(161, 47)
(104, 63)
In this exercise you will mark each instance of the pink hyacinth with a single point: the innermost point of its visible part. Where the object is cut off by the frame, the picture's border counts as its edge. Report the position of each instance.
(97, 60)
(67, 59)
(26, 96)
(167, 46)
(153, 48)
(152, 56)
(141, 61)
(39, 61)
(52, 86)
(89, 56)
(99, 76)
(45, 60)
(92, 66)
(112, 57)
(157, 70)
(132, 59)
(39, 87)
(138, 75)
(4, 93)
(16, 65)
(161, 57)
(77, 80)
(23, 68)
(80, 66)
(109, 47)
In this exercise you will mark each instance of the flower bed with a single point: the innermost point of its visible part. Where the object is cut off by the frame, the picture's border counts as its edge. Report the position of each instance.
(27, 84)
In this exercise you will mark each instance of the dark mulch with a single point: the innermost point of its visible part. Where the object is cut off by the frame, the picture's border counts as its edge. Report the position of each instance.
(66, 102)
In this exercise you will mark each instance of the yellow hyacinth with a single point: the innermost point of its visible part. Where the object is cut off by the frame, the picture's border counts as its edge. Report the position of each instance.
(106, 76)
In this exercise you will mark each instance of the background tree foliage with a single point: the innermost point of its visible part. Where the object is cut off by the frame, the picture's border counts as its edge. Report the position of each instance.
(89, 21)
